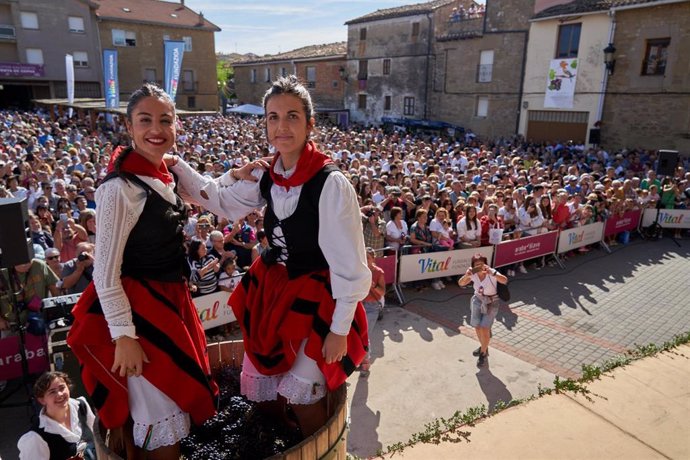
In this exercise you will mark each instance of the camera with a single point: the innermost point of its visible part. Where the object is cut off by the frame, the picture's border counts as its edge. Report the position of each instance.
(83, 256)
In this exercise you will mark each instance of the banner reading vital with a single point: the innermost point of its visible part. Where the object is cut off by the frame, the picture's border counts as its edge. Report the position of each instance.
(173, 63)
(560, 84)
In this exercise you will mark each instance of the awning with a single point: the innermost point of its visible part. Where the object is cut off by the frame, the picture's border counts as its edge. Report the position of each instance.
(248, 109)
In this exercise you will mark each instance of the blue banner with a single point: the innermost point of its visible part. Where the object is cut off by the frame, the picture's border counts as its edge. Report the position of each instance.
(110, 81)
(173, 63)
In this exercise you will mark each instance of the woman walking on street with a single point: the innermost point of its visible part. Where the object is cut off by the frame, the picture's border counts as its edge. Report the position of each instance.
(485, 302)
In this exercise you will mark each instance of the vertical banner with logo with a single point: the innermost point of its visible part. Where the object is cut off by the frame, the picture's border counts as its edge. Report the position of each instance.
(69, 69)
(173, 63)
(560, 84)
(110, 82)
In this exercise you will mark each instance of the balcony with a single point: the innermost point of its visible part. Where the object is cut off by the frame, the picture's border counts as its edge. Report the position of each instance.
(484, 73)
(461, 29)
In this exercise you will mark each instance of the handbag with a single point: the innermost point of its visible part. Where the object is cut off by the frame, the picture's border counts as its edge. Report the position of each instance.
(502, 291)
(495, 235)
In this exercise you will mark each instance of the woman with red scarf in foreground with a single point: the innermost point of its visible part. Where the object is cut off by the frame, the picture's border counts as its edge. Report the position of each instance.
(136, 331)
(299, 306)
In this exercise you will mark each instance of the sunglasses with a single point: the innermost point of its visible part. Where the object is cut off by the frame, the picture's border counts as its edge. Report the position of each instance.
(53, 257)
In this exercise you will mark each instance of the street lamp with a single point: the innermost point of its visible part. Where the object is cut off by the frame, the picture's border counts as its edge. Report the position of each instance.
(609, 60)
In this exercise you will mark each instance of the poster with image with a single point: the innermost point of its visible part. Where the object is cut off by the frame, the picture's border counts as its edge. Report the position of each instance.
(560, 84)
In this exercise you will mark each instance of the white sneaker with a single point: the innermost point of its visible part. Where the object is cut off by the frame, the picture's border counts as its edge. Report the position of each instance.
(436, 285)
(522, 269)
(511, 273)
(441, 283)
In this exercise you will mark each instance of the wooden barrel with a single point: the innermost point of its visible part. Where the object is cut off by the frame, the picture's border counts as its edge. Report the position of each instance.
(328, 443)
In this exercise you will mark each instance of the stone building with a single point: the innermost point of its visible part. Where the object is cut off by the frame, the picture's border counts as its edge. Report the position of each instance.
(35, 36)
(390, 62)
(137, 29)
(478, 66)
(320, 67)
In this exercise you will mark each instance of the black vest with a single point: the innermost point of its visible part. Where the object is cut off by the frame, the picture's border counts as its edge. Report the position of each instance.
(301, 229)
(154, 249)
(60, 449)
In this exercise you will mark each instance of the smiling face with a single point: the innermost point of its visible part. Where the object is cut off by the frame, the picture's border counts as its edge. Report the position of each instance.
(287, 125)
(56, 397)
(152, 128)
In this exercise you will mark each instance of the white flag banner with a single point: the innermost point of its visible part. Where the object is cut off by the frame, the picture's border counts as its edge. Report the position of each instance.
(560, 84)
(69, 68)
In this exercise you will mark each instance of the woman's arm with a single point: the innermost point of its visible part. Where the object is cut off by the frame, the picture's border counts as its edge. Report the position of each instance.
(224, 196)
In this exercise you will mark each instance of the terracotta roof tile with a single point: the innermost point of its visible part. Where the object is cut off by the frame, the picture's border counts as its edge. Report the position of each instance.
(587, 6)
(152, 12)
(405, 10)
(314, 51)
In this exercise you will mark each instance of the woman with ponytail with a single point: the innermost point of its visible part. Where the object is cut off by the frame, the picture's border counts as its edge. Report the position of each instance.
(299, 306)
(136, 331)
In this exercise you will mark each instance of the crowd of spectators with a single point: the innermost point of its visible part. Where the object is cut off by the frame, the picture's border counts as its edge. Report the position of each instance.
(417, 193)
(460, 13)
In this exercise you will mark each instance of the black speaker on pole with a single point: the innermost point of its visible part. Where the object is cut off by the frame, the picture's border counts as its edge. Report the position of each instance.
(666, 162)
(15, 244)
(595, 136)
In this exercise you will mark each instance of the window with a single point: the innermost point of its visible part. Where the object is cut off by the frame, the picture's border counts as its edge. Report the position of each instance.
(252, 76)
(283, 72)
(188, 80)
(482, 106)
(408, 106)
(655, 57)
(191, 102)
(387, 103)
(81, 59)
(363, 33)
(187, 44)
(29, 20)
(415, 29)
(124, 38)
(150, 75)
(386, 66)
(568, 40)
(311, 77)
(486, 64)
(75, 24)
(362, 102)
(34, 56)
(363, 70)
(267, 74)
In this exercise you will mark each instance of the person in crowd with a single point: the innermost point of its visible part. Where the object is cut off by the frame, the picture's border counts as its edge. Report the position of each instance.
(373, 305)
(374, 228)
(38, 234)
(87, 220)
(138, 283)
(68, 234)
(396, 229)
(217, 248)
(308, 201)
(229, 276)
(442, 234)
(469, 230)
(65, 425)
(52, 257)
(78, 272)
(204, 268)
(490, 221)
(485, 301)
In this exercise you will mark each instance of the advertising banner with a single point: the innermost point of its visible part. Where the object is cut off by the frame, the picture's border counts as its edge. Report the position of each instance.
(626, 222)
(513, 251)
(173, 63)
(11, 359)
(580, 236)
(668, 218)
(110, 81)
(213, 309)
(17, 69)
(389, 266)
(69, 69)
(431, 265)
(560, 84)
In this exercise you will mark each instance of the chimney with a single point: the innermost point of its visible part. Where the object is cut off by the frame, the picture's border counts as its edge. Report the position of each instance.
(201, 19)
(182, 2)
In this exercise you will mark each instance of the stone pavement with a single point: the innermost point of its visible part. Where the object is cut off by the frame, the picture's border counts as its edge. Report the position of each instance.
(639, 411)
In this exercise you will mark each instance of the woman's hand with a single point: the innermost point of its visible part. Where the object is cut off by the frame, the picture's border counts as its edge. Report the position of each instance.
(334, 347)
(129, 357)
(245, 172)
(170, 159)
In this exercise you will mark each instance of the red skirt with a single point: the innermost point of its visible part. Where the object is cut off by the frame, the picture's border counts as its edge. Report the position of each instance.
(170, 334)
(277, 313)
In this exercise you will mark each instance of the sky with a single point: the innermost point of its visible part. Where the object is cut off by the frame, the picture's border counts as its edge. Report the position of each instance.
(275, 26)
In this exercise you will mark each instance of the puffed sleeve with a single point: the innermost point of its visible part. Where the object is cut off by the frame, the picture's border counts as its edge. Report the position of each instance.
(341, 240)
(119, 205)
(32, 447)
(223, 196)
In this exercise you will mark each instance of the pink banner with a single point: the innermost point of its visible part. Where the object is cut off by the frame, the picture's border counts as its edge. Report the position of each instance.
(513, 251)
(389, 265)
(11, 359)
(626, 222)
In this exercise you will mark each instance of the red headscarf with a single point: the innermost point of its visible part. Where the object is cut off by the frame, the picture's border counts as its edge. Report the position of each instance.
(310, 162)
(136, 164)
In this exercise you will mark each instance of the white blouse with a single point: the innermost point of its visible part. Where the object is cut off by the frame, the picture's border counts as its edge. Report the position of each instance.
(473, 234)
(341, 238)
(32, 446)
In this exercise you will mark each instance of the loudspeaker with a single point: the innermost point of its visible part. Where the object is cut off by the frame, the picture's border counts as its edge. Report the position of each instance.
(595, 136)
(667, 162)
(61, 359)
(15, 245)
